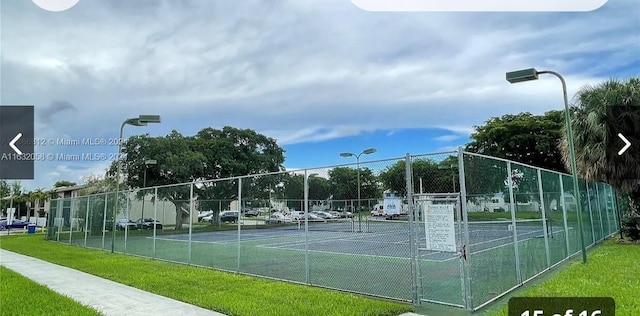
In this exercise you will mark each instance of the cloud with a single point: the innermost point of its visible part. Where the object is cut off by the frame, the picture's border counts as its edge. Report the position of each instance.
(297, 71)
(313, 134)
(46, 114)
(446, 138)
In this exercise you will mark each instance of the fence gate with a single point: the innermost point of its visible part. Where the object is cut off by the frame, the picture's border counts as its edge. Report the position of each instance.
(441, 256)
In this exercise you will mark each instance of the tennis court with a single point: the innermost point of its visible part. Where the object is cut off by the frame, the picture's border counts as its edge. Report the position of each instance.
(501, 243)
(379, 238)
(376, 261)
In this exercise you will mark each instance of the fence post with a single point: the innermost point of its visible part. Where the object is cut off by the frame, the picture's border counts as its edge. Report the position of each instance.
(239, 201)
(191, 219)
(545, 228)
(126, 226)
(72, 213)
(155, 215)
(588, 195)
(464, 249)
(104, 218)
(607, 211)
(599, 211)
(307, 280)
(512, 204)
(412, 237)
(86, 221)
(617, 209)
(564, 216)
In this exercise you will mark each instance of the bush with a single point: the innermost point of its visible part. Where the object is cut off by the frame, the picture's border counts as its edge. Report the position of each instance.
(631, 225)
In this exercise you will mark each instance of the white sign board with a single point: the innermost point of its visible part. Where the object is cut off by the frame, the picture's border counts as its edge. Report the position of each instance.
(439, 227)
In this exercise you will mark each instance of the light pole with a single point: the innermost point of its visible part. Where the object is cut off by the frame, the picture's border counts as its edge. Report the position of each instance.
(147, 162)
(532, 74)
(141, 120)
(365, 152)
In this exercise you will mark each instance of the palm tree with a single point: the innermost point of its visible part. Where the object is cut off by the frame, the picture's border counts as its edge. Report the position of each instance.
(37, 196)
(599, 113)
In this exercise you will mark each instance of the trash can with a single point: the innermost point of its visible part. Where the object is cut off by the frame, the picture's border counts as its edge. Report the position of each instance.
(31, 229)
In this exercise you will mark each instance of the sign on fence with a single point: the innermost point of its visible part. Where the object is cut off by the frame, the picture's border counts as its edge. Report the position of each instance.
(439, 227)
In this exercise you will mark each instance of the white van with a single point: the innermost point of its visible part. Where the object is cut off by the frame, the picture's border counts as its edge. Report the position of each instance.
(390, 208)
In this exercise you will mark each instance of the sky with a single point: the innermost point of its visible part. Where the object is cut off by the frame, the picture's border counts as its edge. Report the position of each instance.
(321, 77)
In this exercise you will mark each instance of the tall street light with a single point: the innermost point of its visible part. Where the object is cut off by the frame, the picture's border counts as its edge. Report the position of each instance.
(141, 120)
(532, 74)
(147, 162)
(364, 152)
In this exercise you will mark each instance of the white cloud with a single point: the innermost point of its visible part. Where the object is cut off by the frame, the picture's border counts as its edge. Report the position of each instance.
(446, 138)
(297, 71)
(312, 134)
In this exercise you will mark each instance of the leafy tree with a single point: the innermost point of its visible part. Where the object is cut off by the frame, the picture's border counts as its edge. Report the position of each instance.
(525, 138)
(5, 191)
(36, 196)
(64, 183)
(437, 177)
(292, 187)
(320, 188)
(18, 197)
(210, 154)
(599, 113)
(344, 183)
(94, 184)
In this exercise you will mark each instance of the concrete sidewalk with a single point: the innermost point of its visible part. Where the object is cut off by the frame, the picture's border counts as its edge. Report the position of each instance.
(108, 297)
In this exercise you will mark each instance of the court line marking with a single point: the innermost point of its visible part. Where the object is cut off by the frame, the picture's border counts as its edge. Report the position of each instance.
(496, 247)
(279, 246)
(351, 238)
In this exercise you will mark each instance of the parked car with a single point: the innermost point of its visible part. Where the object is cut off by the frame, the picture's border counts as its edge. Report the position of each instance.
(314, 218)
(202, 217)
(148, 223)
(14, 224)
(323, 214)
(207, 218)
(252, 213)
(297, 215)
(346, 214)
(277, 218)
(229, 216)
(123, 223)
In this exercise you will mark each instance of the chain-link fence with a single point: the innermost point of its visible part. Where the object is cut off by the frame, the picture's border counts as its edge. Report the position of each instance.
(524, 220)
(452, 228)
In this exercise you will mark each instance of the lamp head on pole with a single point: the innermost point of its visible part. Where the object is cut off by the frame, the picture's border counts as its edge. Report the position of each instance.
(143, 120)
(522, 75)
(134, 122)
(369, 151)
(346, 154)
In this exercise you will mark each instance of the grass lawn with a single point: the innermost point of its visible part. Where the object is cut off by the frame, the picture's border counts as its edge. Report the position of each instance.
(21, 296)
(227, 293)
(611, 271)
